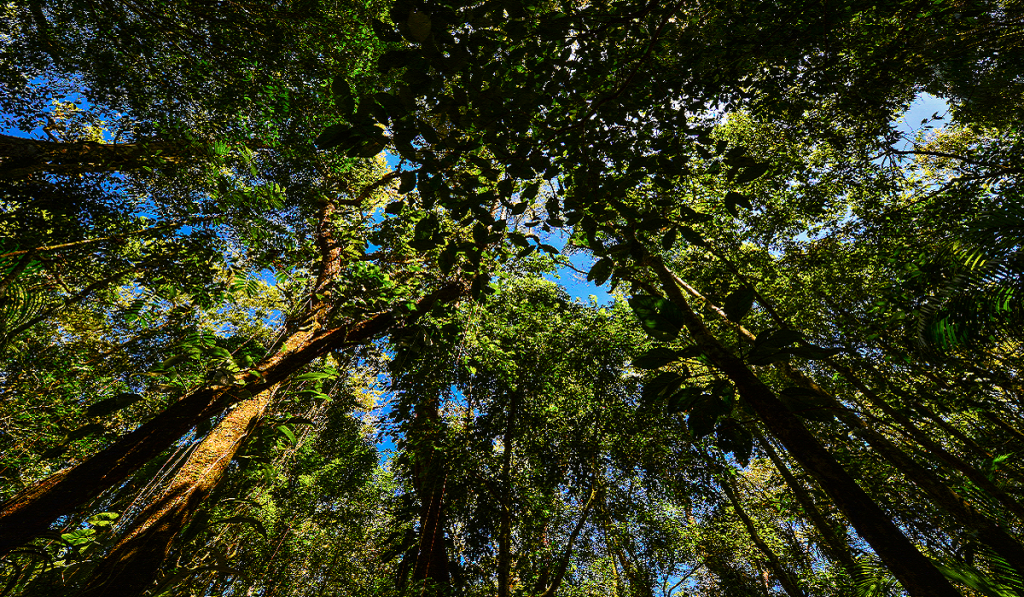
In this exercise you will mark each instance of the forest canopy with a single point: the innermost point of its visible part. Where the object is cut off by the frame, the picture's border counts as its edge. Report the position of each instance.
(292, 298)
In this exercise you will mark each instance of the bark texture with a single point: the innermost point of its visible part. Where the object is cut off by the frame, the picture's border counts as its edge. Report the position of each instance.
(131, 567)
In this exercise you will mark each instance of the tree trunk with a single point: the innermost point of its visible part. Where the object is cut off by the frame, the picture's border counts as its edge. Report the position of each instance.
(615, 557)
(789, 584)
(131, 567)
(836, 547)
(504, 551)
(962, 512)
(431, 571)
(432, 562)
(998, 422)
(505, 530)
(563, 565)
(640, 581)
(916, 434)
(135, 560)
(30, 512)
(545, 570)
(914, 571)
(973, 446)
(21, 158)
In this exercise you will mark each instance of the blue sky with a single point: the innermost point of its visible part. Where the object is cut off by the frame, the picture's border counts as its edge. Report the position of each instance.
(922, 109)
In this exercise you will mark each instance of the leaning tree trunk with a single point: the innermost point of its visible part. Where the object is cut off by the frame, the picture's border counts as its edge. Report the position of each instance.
(836, 547)
(563, 565)
(979, 525)
(31, 511)
(915, 433)
(22, 158)
(788, 582)
(915, 572)
(963, 512)
(131, 567)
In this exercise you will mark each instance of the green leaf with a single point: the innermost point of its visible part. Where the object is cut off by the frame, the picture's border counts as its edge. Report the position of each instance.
(506, 187)
(103, 519)
(384, 32)
(428, 132)
(739, 303)
(690, 215)
(683, 400)
(655, 358)
(480, 285)
(85, 430)
(807, 403)
(690, 352)
(692, 236)
(111, 405)
(221, 353)
(974, 579)
(723, 389)
(733, 437)
(661, 319)
(752, 173)
(732, 199)
(79, 537)
(174, 360)
(314, 375)
(664, 384)
(423, 234)
(480, 234)
(419, 26)
(333, 136)
(669, 239)
(600, 271)
(54, 452)
(343, 97)
(395, 208)
(408, 182)
(767, 345)
(999, 459)
(777, 338)
(286, 431)
(448, 257)
(393, 59)
(704, 415)
(529, 192)
(368, 147)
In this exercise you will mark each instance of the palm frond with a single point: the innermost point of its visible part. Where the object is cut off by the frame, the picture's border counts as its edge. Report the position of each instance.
(983, 301)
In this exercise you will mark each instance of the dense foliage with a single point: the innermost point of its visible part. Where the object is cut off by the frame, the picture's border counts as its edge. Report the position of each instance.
(280, 311)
